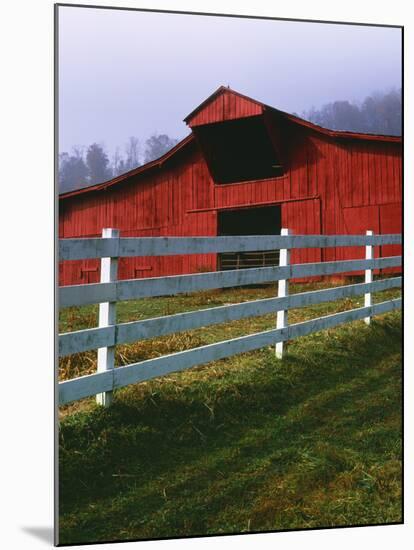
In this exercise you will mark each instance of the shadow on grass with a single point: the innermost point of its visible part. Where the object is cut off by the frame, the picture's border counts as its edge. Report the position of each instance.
(251, 444)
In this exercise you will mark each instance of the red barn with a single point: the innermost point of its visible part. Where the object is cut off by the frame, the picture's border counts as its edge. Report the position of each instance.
(245, 169)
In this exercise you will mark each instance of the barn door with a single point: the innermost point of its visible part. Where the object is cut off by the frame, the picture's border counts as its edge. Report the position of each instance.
(262, 220)
(303, 218)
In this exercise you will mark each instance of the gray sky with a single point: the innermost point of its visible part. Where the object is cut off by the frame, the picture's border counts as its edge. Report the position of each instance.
(124, 73)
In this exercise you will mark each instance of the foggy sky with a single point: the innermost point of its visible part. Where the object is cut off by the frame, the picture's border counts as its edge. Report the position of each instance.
(124, 73)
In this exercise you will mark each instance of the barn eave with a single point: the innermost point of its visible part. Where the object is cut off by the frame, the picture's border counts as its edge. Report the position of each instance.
(145, 168)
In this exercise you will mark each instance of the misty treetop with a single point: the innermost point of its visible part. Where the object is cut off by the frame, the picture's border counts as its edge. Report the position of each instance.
(157, 145)
(72, 170)
(97, 163)
(379, 113)
(91, 165)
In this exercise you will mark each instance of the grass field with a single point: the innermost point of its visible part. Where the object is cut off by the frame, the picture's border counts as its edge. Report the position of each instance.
(244, 444)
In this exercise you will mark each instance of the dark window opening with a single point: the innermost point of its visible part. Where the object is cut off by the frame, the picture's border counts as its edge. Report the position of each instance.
(249, 221)
(239, 150)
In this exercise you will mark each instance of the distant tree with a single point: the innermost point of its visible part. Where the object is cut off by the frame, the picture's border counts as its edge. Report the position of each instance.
(73, 172)
(346, 116)
(63, 158)
(370, 118)
(339, 115)
(122, 168)
(380, 113)
(157, 145)
(97, 163)
(116, 162)
(132, 150)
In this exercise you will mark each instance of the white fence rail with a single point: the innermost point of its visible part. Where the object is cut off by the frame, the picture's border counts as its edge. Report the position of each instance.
(131, 289)
(109, 291)
(78, 249)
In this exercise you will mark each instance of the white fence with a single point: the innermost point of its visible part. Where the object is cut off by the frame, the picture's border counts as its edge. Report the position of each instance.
(110, 290)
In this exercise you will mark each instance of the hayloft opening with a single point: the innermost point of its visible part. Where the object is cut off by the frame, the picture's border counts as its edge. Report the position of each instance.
(239, 150)
(249, 221)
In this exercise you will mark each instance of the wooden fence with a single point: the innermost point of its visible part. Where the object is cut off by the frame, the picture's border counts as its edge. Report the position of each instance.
(108, 334)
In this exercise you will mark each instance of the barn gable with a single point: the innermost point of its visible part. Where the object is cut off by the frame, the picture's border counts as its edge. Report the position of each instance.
(223, 104)
(239, 140)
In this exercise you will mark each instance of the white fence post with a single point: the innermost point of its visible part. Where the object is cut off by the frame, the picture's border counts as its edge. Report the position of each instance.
(283, 290)
(107, 316)
(369, 255)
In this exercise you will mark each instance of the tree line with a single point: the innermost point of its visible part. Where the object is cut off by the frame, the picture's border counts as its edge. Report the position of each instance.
(86, 166)
(379, 113)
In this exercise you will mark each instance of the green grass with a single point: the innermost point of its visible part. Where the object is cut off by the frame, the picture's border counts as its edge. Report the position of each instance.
(245, 444)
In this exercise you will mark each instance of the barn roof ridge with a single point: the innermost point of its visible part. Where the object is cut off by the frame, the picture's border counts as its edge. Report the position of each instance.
(190, 138)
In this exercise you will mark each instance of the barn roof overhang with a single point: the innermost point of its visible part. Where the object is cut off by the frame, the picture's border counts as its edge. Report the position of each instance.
(145, 168)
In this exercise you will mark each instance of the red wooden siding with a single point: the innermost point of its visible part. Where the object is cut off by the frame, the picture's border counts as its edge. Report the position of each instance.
(390, 216)
(303, 216)
(329, 185)
(224, 106)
